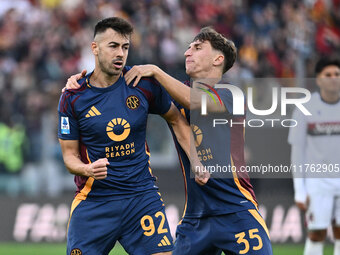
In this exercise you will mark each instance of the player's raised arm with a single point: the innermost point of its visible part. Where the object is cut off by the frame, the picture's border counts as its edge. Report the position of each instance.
(70, 150)
(178, 91)
(189, 98)
(185, 137)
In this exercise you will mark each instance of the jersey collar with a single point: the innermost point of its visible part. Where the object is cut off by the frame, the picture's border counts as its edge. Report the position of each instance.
(115, 85)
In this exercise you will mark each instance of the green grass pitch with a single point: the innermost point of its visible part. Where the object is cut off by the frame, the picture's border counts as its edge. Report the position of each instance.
(59, 249)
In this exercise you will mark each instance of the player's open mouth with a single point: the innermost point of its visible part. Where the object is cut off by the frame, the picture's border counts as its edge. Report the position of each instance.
(118, 64)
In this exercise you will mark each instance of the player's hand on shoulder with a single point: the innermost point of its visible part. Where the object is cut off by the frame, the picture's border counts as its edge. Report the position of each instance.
(98, 169)
(201, 174)
(139, 71)
(72, 82)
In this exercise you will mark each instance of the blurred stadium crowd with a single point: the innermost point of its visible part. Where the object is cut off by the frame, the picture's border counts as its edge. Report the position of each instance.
(43, 42)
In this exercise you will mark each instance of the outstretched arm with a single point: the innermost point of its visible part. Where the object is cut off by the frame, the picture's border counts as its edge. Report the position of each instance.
(185, 138)
(189, 98)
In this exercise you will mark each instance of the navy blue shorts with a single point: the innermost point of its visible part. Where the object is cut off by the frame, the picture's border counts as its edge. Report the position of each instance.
(138, 223)
(243, 232)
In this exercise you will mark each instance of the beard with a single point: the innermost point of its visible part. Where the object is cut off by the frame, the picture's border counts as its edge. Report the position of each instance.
(108, 68)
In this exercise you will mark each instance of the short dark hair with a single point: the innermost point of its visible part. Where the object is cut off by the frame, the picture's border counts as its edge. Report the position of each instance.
(118, 24)
(221, 43)
(324, 62)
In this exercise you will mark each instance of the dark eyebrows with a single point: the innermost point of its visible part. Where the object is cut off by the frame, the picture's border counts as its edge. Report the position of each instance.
(332, 73)
(194, 44)
(117, 44)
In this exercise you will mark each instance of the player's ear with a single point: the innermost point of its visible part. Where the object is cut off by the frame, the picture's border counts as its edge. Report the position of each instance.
(94, 47)
(218, 60)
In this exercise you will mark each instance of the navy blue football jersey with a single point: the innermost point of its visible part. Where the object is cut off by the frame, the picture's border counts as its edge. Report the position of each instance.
(111, 123)
(225, 192)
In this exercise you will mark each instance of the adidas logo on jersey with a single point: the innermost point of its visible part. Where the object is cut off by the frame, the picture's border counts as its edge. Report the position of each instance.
(164, 242)
(92, 112)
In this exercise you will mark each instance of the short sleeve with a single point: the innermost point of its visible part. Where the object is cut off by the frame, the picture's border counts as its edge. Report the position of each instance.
(159, 99)
(68, 127)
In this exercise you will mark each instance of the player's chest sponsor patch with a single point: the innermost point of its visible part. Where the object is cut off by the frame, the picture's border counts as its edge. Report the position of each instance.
(324, 128)
(112, 121)
(132, 102)
(118, 129)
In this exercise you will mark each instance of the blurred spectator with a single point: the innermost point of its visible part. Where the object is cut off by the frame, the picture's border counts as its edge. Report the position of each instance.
(12, 145)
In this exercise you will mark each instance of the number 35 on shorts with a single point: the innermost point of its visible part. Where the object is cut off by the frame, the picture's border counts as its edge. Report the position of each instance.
(148, 225)
(245, 237)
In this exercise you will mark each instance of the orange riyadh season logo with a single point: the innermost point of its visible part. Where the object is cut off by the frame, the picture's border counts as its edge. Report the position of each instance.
(118, 129)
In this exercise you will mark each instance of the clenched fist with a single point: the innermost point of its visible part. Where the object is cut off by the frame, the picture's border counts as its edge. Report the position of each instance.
(98, 169)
